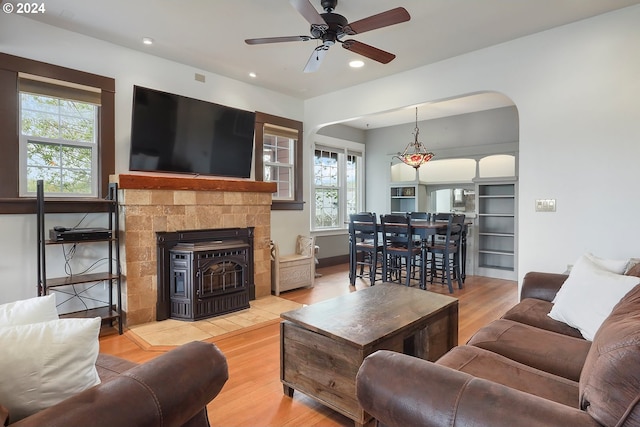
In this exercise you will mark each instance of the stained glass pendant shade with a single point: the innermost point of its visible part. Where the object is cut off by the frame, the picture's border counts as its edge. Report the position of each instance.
(415, 155)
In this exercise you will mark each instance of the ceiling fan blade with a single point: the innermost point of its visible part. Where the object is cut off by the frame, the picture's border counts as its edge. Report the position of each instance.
(306, 9)
(384, 19)
(264, 40)
(316, 59)
(368, 51)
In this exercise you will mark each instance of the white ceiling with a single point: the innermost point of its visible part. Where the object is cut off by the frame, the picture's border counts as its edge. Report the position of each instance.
(209, 36)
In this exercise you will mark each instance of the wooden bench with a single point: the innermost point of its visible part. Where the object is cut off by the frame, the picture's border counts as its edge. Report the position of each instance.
(295, 270)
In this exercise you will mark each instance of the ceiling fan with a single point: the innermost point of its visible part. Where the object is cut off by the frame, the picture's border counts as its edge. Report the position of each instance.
(330, 27)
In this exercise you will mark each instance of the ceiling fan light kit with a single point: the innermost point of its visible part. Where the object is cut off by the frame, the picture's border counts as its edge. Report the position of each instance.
(330, 28)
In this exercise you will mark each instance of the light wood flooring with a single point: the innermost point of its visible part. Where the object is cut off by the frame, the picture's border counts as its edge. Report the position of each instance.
(253, 396)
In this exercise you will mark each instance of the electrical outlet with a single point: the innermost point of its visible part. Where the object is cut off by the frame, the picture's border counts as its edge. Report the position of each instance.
(545, 205)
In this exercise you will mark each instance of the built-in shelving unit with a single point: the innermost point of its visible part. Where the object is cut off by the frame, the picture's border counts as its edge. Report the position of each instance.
(79, 286)
(496, 225)
(408, 197)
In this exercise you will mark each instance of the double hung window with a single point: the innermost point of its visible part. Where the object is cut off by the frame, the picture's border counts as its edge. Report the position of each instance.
(58, 125)
(58, 138)
(338, 185)
(279, 159)
(278, 149)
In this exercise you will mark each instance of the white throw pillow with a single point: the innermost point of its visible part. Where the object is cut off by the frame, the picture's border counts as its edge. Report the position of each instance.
(32, 310)
(588, 295)
(618, 266)
(44, 363)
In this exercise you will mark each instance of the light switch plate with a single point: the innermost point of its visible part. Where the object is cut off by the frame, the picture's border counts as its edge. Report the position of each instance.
(545, 205)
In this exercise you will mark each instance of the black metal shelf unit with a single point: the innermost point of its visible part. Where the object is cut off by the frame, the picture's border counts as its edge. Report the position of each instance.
(111, 309)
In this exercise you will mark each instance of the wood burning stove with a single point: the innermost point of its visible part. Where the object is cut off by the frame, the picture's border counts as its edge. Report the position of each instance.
(204, 273)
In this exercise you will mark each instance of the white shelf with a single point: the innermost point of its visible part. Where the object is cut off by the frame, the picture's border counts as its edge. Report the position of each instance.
(409, 197)
(496, 229)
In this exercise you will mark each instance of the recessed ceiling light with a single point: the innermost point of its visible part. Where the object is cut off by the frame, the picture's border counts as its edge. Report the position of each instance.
(147, 40)
(356, 63)
(252, 75)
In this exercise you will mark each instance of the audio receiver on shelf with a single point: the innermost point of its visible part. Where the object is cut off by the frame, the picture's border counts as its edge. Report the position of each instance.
(63, 234)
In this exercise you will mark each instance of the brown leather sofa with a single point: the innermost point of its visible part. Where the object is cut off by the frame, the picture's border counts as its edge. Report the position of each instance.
(524, 369)
(170, 390)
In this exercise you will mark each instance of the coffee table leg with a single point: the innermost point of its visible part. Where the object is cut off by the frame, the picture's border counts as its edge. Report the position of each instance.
(287, 390)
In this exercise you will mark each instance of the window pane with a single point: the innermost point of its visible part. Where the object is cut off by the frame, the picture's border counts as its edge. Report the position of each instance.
(63, 168)
(62, 159)
(76, 157)
(337, 186)
(325, 168)
(39, 103)
(352, 185)
(76, 181)
(282, 176)
(277, 154)
(35, 123)
(42, 154)
(76, 129)
(327, 207)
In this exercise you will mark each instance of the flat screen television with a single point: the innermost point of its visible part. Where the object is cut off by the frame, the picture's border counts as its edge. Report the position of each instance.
(173, 133)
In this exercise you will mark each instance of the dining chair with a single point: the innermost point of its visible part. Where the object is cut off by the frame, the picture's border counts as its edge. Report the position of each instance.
(365, 249)
(400, 252)
(440, 235)
(421, 216)
(444, 259)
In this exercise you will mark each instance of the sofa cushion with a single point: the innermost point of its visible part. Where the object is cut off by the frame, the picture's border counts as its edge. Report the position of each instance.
(535, 312)
(610, 379)
(44, 363)
(499, 369)
(545, 350)
(586, 298)
(32, 310)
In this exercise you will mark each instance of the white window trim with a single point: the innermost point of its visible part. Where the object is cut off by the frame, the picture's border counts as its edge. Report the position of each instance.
(288, 165)
(344, 147)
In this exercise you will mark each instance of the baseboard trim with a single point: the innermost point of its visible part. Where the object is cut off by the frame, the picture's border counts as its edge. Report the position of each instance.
(334, 260)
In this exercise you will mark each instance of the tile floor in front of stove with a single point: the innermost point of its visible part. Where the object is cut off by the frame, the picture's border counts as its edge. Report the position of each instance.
(178, 332)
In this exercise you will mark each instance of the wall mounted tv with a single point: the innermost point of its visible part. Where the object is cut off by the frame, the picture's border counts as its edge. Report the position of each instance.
(173, 133)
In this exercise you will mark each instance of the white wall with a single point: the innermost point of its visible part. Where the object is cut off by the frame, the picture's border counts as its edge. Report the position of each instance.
(577, 92)
(30, 39)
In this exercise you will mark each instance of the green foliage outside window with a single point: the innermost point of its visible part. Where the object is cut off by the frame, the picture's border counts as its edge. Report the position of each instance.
(60, 137)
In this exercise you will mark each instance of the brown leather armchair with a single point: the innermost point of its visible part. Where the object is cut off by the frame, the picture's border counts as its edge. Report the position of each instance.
(170, 390)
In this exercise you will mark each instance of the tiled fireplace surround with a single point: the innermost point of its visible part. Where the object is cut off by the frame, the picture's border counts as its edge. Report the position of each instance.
(153, 202)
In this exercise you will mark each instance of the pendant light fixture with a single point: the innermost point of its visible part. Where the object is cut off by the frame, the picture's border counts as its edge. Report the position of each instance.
(415, 154)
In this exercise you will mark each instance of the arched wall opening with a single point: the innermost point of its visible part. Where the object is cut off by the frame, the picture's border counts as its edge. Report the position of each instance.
(461, 143)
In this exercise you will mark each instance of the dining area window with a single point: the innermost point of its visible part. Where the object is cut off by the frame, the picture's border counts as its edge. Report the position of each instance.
(337, 185)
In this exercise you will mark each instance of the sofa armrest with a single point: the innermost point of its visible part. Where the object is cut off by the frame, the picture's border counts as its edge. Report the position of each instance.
(542, 286)
(166, 391)
(4, 416)
(400, 390)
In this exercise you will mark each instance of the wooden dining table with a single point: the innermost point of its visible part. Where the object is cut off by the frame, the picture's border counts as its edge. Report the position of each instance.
(425, 229)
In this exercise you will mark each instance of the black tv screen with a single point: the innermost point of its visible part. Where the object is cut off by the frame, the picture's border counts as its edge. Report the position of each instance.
(173, 133)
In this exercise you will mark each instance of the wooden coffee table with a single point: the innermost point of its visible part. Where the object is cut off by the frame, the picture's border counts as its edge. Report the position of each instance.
(323, 345)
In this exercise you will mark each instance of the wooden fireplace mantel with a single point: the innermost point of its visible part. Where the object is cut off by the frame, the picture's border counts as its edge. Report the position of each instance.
(151, 181)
